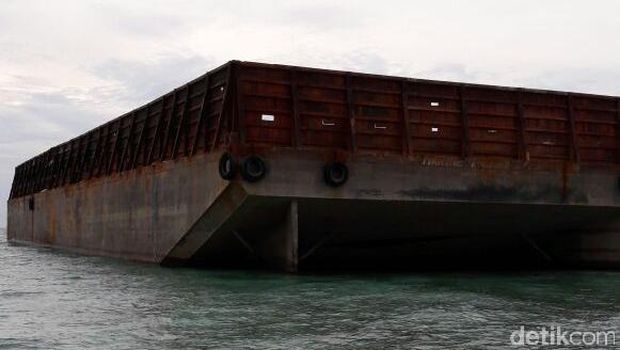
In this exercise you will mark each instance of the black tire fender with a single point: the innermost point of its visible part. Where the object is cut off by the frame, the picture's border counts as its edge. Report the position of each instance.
(335, 174)
(253, 168)
(227, 166)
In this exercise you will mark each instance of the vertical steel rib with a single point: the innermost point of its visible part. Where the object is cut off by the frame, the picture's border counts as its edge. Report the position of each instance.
(177, 136)
(222, 108)
(162, 152)
(574, 151)
(115, 146)
(156, 139)
(295, 134)
(136, 150)
(466, 142)
(96, 153)
(121, 162)
(351, 113)
(201, 115)
(521, 123)
(404, 105)
(617, 131)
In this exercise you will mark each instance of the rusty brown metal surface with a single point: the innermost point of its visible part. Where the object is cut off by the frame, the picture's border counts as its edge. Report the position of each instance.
(163, 129)
(370, 114)
(271, 106)
(135, 215)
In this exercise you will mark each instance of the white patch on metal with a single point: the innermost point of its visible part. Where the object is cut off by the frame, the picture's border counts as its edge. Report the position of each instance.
(434, 129)
(268, 118)
(326, 123)
(434, 104)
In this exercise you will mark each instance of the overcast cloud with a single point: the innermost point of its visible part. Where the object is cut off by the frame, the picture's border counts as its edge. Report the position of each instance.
(67, 66)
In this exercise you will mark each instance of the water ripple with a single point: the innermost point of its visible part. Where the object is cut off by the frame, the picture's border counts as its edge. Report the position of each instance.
(53, 300)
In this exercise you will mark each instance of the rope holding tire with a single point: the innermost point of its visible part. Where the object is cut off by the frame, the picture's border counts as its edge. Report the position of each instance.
(335, 174)
(227, 166)
(253, 169)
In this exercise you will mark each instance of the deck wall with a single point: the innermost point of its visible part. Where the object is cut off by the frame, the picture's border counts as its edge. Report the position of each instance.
(182, 123)
(361, 113)
(351, 113)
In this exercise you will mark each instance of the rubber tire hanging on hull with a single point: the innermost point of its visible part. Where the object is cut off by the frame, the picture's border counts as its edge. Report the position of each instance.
(253, 169)
(335, 174)
(227, 167)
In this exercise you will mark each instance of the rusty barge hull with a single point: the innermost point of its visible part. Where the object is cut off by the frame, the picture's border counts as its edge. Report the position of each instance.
(259, 165)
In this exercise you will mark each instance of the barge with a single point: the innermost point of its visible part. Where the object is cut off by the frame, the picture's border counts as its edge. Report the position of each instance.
(293, 168)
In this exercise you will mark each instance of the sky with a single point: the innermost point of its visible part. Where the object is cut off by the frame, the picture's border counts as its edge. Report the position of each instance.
(68, 66)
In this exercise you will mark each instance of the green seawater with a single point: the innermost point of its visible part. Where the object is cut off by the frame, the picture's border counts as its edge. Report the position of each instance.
(55, 300)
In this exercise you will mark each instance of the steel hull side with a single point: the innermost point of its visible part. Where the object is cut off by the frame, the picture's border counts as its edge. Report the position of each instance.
(135, 215)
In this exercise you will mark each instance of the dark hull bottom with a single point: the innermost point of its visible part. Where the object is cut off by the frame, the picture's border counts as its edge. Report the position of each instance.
(374, 235)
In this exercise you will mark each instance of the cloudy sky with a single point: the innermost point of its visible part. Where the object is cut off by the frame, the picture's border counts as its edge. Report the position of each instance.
(67, 66)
